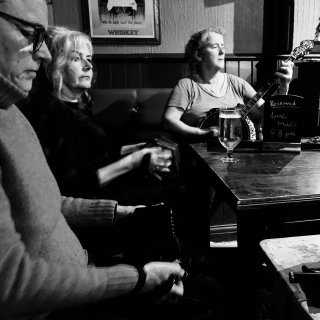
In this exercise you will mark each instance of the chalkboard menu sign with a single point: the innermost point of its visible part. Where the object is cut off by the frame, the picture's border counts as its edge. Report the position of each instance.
(282, 128)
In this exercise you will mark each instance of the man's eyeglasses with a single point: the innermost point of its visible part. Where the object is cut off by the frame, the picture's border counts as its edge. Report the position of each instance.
(38, 35)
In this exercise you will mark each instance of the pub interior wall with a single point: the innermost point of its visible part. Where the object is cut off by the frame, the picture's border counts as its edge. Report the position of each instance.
(306, 18)
(242, 20)
(253, 27)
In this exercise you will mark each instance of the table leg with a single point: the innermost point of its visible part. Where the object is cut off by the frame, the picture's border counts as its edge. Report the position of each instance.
(250, 267)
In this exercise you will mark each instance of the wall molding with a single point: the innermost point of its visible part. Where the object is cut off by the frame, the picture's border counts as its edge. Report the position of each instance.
(164, 70)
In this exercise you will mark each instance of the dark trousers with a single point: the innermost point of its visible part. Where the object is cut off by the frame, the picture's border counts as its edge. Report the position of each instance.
(185, 193)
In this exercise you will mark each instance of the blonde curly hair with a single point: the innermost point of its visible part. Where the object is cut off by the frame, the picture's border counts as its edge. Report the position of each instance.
(61, 43)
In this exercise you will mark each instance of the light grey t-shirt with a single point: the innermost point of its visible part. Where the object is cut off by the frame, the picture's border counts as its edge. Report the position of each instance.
(196, 100)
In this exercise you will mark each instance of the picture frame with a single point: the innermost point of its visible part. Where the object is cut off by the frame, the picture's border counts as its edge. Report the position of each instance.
(122, 21)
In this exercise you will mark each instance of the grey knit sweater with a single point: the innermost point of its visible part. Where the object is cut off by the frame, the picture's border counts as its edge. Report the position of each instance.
(42, 264)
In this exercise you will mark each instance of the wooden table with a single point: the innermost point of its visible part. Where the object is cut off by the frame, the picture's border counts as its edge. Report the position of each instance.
(273, 195)
(283, 255)
(264, 188)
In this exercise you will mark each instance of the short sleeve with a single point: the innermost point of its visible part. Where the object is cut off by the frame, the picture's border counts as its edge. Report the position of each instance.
(181, 95)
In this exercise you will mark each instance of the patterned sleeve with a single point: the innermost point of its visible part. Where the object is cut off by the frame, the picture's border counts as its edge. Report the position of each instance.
(83, 212)
(32, 285)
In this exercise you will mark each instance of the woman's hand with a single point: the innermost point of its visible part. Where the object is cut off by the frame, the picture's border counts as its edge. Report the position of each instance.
(212, 132)
(285, 76)
(127, 149)
(159, 159)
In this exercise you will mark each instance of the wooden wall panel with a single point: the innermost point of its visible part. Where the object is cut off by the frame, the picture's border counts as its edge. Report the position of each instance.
(104, 74)
(163, 73)
(134, 74)
(127, 71)
(119, 74)
(150, 74)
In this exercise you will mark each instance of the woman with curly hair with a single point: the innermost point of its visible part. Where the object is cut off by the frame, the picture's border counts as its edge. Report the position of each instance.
(208, 86)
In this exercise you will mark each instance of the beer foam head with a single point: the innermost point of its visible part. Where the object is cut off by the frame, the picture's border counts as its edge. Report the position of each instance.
(229, 116)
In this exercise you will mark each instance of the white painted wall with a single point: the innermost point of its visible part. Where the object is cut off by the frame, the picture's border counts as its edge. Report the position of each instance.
(242, 20)
(306, 18)
(181, 18)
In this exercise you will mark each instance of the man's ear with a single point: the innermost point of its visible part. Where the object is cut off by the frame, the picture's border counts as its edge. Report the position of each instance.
(197, 56)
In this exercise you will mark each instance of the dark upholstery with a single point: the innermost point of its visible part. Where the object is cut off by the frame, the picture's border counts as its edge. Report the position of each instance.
(131, 115)
(151, 104)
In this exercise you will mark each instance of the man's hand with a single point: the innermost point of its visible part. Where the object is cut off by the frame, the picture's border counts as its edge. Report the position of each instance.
(159, 273)
(123, 211)
(176, 291)
(285, 76)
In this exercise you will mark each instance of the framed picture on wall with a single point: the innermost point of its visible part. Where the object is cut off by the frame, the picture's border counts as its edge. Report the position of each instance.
(122, 21)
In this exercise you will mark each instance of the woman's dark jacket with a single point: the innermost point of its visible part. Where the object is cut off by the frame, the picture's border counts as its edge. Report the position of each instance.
(74, 145)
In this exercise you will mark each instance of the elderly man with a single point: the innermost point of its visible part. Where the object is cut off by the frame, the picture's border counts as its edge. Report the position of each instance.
(43, 266)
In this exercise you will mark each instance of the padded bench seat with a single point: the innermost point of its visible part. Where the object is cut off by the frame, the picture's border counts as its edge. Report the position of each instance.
(131, 115)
